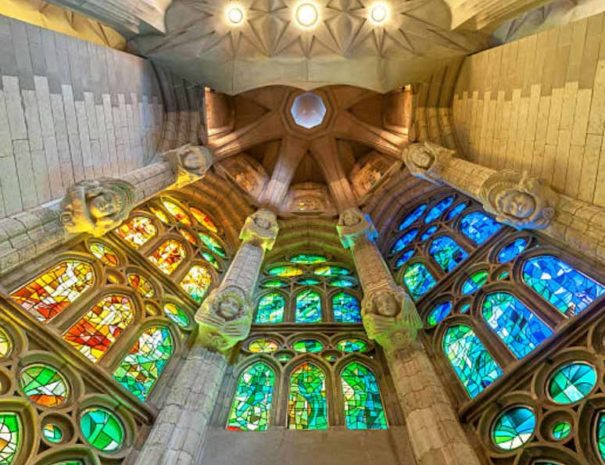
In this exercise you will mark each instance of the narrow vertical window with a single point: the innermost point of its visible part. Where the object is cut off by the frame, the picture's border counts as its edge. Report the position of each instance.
(270, 309)
(361, 394)
(346, 308)
(418, 280)
(10, 437)
(251, 407)
(307, 404)
(308, 307)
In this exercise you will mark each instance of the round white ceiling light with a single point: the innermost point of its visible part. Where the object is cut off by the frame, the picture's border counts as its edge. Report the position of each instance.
(234, 14)
(307, 14)
(380, 12)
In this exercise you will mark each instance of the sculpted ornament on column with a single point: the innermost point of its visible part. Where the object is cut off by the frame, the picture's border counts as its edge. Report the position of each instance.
(189, 163)
(519, 200)
(427, 160)
(261, 229)
(96, 207)
(354, 225)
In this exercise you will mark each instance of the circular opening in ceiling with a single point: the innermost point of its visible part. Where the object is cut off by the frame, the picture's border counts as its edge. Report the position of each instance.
(308, 110)
(234, 14)
(307, 14)
(380, 12)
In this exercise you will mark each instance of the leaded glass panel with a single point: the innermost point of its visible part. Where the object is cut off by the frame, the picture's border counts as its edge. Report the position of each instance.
(253, 399)
(363, 405)
(307, 404)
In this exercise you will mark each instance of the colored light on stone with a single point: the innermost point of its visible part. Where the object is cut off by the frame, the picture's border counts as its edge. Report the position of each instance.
(414, 216)
(479, 227)
(102, 429)
(142, 285)
(475, 282)
(447, 253)
(308, 110)
(177, 212)
(137, 231)
(270, 309)
(10, 437)
(436, 212)
(308, 307)
(511, 251)
(346, 308)
(263, 345)
(308, 259)
(168, 256)
(405, 240)
(307, 404)
(361, 394)
(177, 315)
(253, 399)
(285, 271)
(514, 428)
(560, 430)
(352, 345)
(308, 346)
(52, 433)
(439, 313)
(332, 270)
(572, 382)
(104, 253)
(418, 279)
(197, 282)
(44, 385)
(212, 244)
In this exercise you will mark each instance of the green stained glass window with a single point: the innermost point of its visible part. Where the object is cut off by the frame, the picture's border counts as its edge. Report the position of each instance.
(475, 282)
(44, 385)
(307, 404)
(475, 367)
(284, 357)
(52, 433)
(212, 244)
(251, 407)
(10, 437)
(447, 253)
(352, 344)
(102, 429)
(177, 315)
(308, 307)
(270, 309)
(600, 430)
(439, 313)
(572, 382)
(342, 282)
(513, 428)
(142, 367)
(418, 279)
(332, 270)
(560, 430)
(285, 271)
(308, 259)
(308, 346)
(346, 308)
(6, 343)
(211, 259)
(263, 345)
(70, 462)
(274, 284)
(309, 282)
(363, 406)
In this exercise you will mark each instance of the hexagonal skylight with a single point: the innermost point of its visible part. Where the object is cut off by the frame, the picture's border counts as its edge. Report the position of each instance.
(308, 110)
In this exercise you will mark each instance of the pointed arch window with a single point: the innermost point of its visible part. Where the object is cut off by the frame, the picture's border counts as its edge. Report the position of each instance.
(308, 306)
(362, 402)
(94, 334)
(418, 279)
(56, 289)
(346, 308)
(307, 403)
(447, 253)
(560, 284)
(473, 364)
(514, 323)
(168, 256)
(137, 231)
(197, 282)
(253, 399)
(271, 308)
(479, 227)
(10, 437)
(140, 370)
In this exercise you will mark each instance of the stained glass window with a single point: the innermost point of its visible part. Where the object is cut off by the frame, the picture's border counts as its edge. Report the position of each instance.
(413, 217)
(342, 282)
(101, 326)
(168, 256)
(418, 280)
(308, 259)
(138, 231)
(514, 323)
(308, 307)
(346, 308)
(104, 253)
(305, 346)
(188, 236)
(274, 284)
(141, 368)
(10, 437)
(212, 244)
(514, 427)
(454, 212)
(438, 209)
(447, 253)
(600, 430)
(56, 289)
(428, 233)
(479, 227)
(102, 429)
(177, 212)
(160, 215)
(307, 404)
(404, 258)
(332, 270)
(204, 219)
(285, 271)
(211, 259)
(363, 406)
(475, 282)
(404, 241)
(251, 407)
(568, 290)
(177, 315)
(271, 308)
(263, 345)
(511, 251)
(6, 344)
(352, 345)
(44, 385)
(439, 313)
(473, 364)
(52, 433)
(560, 430)
(197, 282)
(572, 382)
(142, 285)
(309, 282)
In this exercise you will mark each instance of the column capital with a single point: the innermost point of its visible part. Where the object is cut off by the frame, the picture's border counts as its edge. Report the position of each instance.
(427, 161)
(97, 206)
(189, 163)
(225, 318)
(261, 228)
(390, 317)
(353, 225)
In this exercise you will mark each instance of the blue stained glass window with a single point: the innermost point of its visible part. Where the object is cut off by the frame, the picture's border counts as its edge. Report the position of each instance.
(438, 209)
(270, 309)
(475, 282)
(473, 364)
(568, 290)
(361, 394)
(428, 233)
(447, 253)
(308, 307)
(413, 217)
(404, 241)
(439, 313)
(514, 323)
(418, 280)
(346, 308)
(514, 428)
(454, 212)
(511, 251)
(403, 259)
(479, 227)
(600, 434)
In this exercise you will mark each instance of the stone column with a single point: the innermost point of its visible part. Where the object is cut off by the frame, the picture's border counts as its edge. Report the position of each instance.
(226, 315)
(390, 318)
(514, 198)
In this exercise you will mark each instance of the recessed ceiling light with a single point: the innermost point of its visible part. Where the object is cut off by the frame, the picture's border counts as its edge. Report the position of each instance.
(380, 12)
(307, 14)
(235, 14)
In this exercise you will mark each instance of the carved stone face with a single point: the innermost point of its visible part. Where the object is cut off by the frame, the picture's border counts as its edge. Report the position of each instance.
(229, 308)
(193, 161)
(104, 205)
(386, 304)
(350, 218)
(422, 158)
(262, 222)
(517, 204)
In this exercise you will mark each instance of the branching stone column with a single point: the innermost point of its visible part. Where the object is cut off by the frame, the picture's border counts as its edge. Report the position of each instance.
(390, 318)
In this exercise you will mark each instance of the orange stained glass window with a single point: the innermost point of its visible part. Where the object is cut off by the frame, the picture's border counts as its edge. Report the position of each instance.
(104, 253)
(101, 326)
(197, 282)
(141, 285)
(203, 219)
(168, 256)
(187, 235)
(160, 215)
(177, 212)
(138, 231)
(53, 291)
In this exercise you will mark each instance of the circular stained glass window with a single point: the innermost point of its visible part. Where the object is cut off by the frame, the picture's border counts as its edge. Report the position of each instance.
(513, 428)
(44, 385)
(52, 433)
(263, 345)
(352, 345)
(572, 382)
(560, 430)
(177, 315)
(513, 250)
(311, 346)
(102, 429)
(439, 313)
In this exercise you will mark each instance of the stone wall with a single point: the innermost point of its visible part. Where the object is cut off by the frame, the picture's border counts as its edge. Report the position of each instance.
(538, 104)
